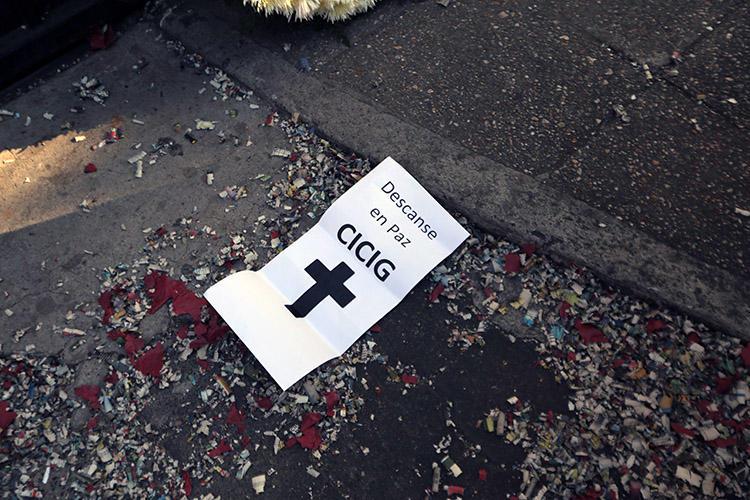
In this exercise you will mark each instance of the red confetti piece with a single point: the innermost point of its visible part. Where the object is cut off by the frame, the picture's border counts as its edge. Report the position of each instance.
(269, 120)
(91, 424)
(160, 289)
(654, 325)
(682, 430)
(310, 436)
(564, 307)
(222, 448)
(331, 399)
(375, 328)
(236, 417)
(6, 416)
(746, 354)
(116, 334)
(264, 402)
(724, 384)
(182, 333)
(151, 362)
(208, 333)
(590, 494)
(89, 168)
(512, 263)
(102, 38)
(188, 303)
(737, 426)
(722, 442)
(105, 300)
(589, 333)
(618, 362)
(89, 393)
(198, 343)
(482, 475)
(436, 292)
(187, 485)
(704, 406)
(409, 379)
(693, 338)
(112, 378)
(528, 249)
(133, 343)
(203, 364)
(455, 490)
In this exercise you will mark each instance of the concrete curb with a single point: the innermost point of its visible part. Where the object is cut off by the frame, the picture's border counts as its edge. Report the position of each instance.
(496, 198)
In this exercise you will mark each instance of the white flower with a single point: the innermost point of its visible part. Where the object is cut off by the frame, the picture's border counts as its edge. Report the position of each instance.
(332, 10)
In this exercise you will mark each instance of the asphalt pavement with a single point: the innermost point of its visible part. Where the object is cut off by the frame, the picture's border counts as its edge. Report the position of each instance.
(533, 86)
(501, 199)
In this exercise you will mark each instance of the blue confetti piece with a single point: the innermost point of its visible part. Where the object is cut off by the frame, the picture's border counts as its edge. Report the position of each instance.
(558, 332)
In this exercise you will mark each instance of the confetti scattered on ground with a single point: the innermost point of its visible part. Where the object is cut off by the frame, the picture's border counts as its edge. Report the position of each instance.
(659, 405)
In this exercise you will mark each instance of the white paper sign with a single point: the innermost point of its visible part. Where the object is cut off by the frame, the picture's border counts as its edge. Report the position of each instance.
(314, 299)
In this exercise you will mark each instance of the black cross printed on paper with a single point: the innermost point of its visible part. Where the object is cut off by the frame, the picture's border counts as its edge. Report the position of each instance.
(327, 284)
